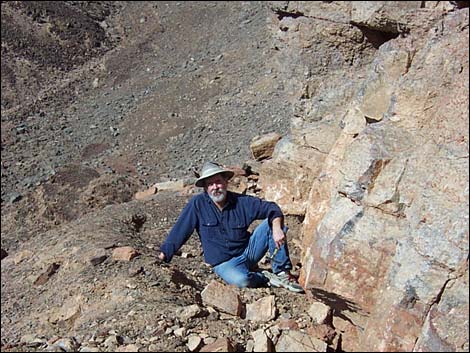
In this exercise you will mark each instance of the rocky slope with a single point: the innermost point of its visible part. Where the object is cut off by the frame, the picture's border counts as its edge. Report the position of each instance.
(101, 100)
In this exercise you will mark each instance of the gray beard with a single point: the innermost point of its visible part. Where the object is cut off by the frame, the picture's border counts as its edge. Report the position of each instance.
(219, 197)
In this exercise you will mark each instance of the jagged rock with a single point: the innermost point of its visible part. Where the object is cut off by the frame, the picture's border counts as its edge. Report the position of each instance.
(220, 345)
(125, 253)
(222, 297)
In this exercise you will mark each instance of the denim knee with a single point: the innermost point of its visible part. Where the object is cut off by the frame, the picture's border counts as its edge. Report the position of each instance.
(246, 280)
(241, 280)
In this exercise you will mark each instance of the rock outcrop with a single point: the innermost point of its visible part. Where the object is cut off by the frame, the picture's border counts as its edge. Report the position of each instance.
(377, 163)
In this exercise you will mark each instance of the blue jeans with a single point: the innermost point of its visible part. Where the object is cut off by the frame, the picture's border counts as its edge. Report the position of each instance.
(239, 270)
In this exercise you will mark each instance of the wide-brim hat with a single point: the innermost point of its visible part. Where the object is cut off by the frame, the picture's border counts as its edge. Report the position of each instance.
(209, 169)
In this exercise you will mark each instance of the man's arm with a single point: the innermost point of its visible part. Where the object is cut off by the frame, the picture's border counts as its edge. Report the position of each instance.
(180, 233)
(270, 210)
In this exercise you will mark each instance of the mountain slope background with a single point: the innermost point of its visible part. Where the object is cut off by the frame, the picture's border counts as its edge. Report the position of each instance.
(101, 100)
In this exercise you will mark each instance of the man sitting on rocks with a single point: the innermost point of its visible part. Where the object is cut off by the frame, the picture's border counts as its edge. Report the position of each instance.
(221, 218)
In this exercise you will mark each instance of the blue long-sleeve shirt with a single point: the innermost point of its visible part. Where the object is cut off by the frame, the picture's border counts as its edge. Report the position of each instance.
(223, 234)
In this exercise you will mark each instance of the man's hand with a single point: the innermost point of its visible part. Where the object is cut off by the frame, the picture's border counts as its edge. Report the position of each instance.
(279, 237)
(160, 259)
(161, 256)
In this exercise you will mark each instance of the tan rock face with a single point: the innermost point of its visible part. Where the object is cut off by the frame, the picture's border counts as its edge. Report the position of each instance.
(287, 178)
(386, 206)
(262, 147)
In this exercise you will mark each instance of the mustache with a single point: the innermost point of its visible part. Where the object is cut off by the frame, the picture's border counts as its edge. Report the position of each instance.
(218, 195)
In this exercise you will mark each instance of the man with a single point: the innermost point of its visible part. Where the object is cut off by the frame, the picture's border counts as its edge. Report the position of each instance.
(221, 218)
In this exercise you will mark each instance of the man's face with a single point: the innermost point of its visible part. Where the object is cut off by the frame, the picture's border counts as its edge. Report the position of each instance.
(216, 187)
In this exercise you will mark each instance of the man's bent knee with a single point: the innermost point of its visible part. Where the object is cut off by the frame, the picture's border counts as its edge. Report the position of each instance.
(239, 280)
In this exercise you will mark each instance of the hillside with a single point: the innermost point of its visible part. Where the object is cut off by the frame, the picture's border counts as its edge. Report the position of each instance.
(102, 100)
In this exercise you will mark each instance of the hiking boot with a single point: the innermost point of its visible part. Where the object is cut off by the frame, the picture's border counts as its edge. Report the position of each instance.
(283, 279)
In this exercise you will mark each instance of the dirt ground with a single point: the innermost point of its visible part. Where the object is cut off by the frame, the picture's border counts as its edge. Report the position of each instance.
(101, 100)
